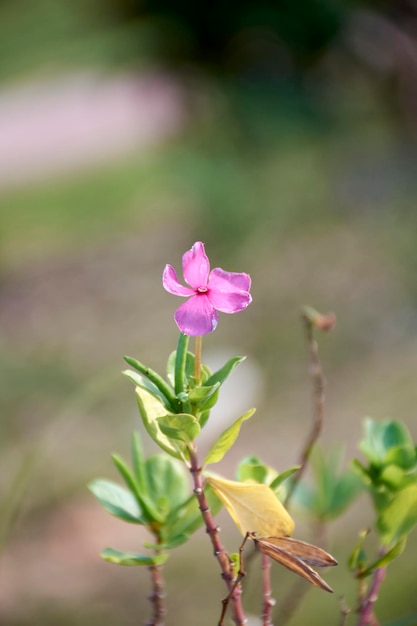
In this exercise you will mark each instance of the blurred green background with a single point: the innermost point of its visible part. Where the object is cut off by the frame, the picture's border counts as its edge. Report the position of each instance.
(281, 134)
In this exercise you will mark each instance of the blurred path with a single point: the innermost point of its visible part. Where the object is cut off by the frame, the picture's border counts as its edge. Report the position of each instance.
(65, 124)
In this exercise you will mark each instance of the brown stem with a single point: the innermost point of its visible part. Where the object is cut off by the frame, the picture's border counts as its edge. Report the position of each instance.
(156, 597)
(241, 574)
(367, 602)
(317, 378)
(268, 602)
(219, 551)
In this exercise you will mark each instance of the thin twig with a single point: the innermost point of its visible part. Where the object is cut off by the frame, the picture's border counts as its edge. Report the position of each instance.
(241, 573)
(267, 601)
(311, 320)
(367, 602)
(219, 551)
(344, 612)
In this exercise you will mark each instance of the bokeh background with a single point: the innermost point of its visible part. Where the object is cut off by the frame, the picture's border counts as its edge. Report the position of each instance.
(283, 135)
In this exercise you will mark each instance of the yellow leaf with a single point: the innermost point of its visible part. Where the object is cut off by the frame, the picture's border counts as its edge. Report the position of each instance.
(253, 507)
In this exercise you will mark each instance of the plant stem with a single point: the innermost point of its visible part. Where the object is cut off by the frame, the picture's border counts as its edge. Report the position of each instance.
(213, 532)
(180, 362)
(366, 605)
(156, 597)
(267, 601)
(344, 612)
(197, 359)
(317, 378)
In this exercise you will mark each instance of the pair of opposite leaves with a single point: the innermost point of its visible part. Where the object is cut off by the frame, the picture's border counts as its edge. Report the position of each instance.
(259, 514)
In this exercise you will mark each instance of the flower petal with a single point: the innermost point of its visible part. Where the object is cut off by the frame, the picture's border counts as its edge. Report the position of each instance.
(171, 283)
(196, 266)
(196, 316)
(229, 291)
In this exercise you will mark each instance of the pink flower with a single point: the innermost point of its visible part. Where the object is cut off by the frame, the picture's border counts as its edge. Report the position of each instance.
(208, 292)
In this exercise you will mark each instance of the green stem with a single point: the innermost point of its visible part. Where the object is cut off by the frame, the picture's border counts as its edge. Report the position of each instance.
(180, 362)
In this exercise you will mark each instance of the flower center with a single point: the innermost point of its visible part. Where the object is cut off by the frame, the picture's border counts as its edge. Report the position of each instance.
(202, 289)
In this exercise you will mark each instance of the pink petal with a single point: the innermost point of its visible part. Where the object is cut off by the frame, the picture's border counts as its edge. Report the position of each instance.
(171, 283)
(229, 291)
(196, 316)
(196, 266)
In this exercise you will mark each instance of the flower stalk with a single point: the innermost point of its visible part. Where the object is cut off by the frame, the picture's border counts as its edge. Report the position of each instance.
(197, 359)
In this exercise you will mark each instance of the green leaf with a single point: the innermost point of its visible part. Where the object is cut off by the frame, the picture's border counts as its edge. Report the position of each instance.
(187, 518)
(277, 482)
(226, 439)
(203, 418)
(399, 517)
(385, 559)
(141, 381)
(331, 491)
(182, 427)
(388, 442)
(205, 373)
(358, 559)
(117, 500)
(362, 472)
(151, 409)
(346, 489)
(180, 365)
(139, 477)
(202, 395)
(223, 373)
(167, 545)
(171, 368)
(396, 478)
(149, 512)
(372, 445)
(252, 468)
(130, 558)
(156, 379)
(138, 462)
(167, 482)
(402, 456)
